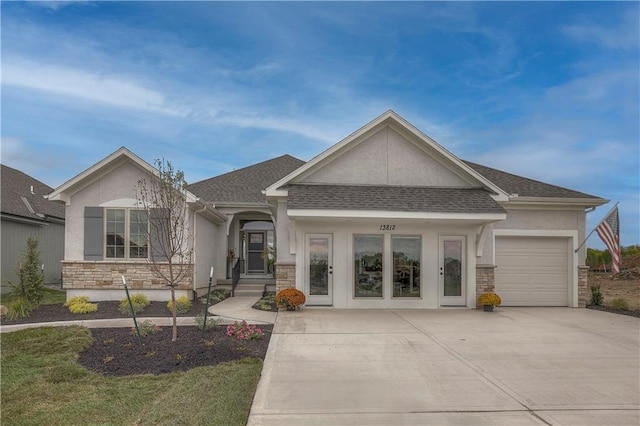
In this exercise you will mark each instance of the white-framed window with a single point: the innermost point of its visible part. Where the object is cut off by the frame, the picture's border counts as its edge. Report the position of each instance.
(407, 251)
(368, 256)
(126, 234)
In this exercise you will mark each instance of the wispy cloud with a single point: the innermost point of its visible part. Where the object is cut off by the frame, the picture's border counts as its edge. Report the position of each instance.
(86, 85)
(622, 34)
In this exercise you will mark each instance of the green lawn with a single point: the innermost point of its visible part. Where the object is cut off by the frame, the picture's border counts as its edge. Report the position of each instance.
(42, 384)
(50, 297)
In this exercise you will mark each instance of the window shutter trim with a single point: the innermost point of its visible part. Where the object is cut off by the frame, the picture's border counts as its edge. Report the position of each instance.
(93, 233)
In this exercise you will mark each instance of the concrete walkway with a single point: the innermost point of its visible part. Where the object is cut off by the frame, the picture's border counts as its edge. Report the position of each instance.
(515, 366)
(226, 312)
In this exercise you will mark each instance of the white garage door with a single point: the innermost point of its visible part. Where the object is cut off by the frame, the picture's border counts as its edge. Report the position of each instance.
(532, 271)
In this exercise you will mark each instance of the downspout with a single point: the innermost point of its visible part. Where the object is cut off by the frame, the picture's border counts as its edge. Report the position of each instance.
(195, 221)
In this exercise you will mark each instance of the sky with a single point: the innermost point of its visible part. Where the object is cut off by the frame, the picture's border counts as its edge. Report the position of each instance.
(546, 90)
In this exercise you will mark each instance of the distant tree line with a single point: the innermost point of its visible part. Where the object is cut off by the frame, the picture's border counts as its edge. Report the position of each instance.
(601, 259)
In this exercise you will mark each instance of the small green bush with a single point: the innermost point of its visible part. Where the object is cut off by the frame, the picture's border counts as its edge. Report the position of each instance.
(183, 304)
(138, 301)
(211, 321)
(80, 305)
(83, 308)
(267, 302)
(217, 295)
(76, 300)
(596, 295)
(146, 328)
(619, 303)
(19, 308)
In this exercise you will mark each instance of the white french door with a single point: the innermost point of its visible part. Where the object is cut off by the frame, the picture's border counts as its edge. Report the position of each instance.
(452, 278)
(319, 269)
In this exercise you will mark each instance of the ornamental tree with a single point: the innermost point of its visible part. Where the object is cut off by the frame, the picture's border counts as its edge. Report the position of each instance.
(162, 195)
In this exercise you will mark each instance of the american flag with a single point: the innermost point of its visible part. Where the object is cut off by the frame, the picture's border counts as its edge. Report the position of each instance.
(609, 232)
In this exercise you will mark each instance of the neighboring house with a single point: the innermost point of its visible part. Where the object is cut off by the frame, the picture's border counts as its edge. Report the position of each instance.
(386, 218)
(26, 212)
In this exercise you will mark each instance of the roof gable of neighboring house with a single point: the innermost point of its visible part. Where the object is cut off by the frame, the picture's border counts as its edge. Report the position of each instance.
(245, 186)
(24, 197)
(387, 151)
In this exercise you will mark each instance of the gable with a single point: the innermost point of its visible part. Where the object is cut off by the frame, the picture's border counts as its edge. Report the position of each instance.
(387, 158)
(245, 185)
(117, 184)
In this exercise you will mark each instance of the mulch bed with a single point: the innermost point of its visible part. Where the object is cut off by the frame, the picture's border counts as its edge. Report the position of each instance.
(106, 310)
(117, 352)
(614, 311)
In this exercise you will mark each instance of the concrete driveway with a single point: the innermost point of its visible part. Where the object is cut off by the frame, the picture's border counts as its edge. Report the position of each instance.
(515, 366)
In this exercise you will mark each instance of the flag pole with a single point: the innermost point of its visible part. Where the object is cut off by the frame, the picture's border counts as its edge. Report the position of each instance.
(596, 227)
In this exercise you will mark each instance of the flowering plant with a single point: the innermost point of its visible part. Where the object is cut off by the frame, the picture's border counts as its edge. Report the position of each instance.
(489, 298)
(244, 331)
(290, 298)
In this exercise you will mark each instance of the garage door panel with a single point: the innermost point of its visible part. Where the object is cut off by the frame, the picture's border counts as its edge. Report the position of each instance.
(550, 298)
(532, 271)
(514, 298)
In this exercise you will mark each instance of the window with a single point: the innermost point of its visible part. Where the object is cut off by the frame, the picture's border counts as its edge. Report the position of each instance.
(127, 234)
(367, 254)
(406, 265)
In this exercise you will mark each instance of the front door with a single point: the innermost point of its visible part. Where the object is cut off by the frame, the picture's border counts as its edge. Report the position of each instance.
(319, 269)
(256, 260)
(452, 282)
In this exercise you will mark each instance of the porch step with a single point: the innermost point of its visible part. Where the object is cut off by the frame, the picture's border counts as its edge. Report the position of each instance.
(248, 290)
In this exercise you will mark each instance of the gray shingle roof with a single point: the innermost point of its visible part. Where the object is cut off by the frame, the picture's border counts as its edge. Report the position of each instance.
(392, 198)
(525, 187)
(245, 185)
(16, 189)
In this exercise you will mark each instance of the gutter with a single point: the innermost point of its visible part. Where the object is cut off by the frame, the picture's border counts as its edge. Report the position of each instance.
(195, 236)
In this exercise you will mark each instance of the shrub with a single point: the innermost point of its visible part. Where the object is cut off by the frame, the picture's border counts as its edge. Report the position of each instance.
(80, 305)
(30, 285)
(596, 295)
(138, 301)
(619, 303)
(211, 321)
(290, 298)
(83, 308)
(146, 328)
(19, 308)
(267, 302)
(183, 304)
(489, 298)
(76, 300)
(217, 295)
(244, 331)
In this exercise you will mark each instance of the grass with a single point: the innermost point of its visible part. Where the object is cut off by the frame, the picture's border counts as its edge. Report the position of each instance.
(42, 384)
(50, 296)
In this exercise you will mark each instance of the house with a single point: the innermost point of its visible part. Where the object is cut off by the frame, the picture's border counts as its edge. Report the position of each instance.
(385, 218)
(25, 212)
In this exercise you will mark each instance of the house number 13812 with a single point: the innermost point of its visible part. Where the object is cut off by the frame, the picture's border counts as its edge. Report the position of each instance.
(387, 227)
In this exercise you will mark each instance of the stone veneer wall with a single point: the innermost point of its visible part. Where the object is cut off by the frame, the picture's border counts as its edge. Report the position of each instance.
(583, 278)
(485, 280)
(285, 275)
(107, 276)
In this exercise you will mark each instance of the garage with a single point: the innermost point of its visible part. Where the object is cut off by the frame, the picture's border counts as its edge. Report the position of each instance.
(532, 271)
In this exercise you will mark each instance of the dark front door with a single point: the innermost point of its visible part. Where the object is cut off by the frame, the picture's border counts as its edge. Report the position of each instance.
(256, 243)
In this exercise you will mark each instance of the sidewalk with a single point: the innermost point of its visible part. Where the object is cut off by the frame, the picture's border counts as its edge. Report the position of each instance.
(226, 312)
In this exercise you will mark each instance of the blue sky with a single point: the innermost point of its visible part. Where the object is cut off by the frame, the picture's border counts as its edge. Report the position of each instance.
(547, 90)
